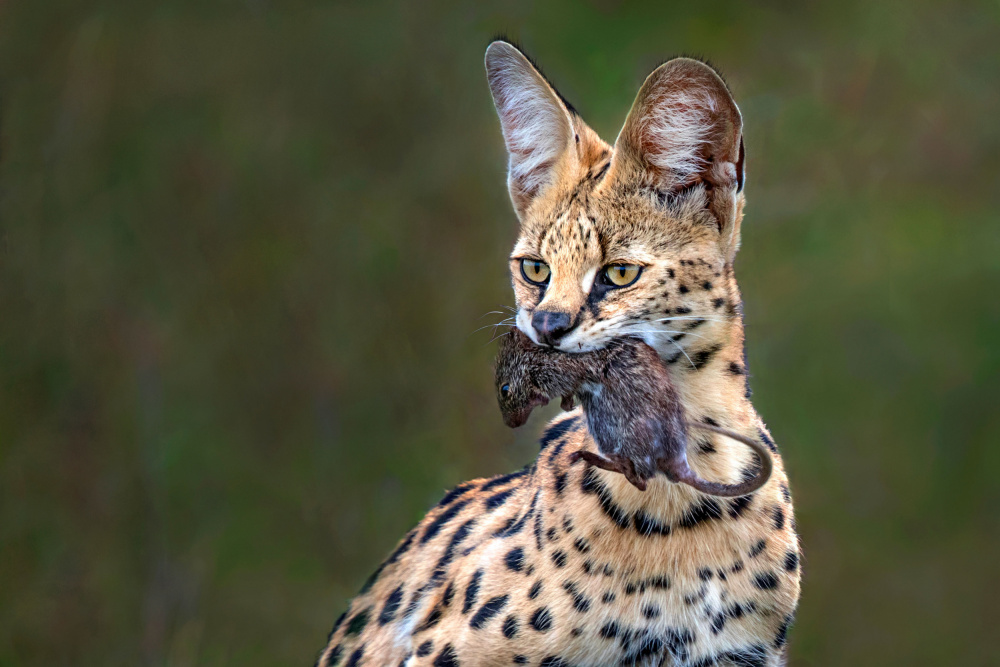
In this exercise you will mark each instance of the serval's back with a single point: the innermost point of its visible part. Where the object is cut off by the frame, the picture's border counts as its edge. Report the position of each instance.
(561, 564)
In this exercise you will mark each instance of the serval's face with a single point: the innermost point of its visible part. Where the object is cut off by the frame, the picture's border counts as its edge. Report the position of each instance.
(635, 239)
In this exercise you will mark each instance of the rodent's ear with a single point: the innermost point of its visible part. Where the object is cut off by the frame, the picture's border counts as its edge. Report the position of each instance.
(536, 123)
(684, 129)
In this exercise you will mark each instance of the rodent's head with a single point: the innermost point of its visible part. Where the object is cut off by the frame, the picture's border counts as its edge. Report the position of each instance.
(517, 391)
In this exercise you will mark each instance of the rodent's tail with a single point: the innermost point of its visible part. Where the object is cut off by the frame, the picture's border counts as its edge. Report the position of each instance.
(731, 490)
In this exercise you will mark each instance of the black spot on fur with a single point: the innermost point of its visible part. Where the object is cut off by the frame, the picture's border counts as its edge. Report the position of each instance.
(510, 627)
(449, 553)
(559, 558)
(702, 357)
(454, 493)
(355, 658)
(646, 525)
(425, 648)
(514, 559)
(435, 526)
(705, 574)
(582, 545)
(786, 492)
(767, 441)
(791, 561)
(651, 611)
(591, 483)
(517, 526)
(580, 601)
(609, 630)
(739, 505)
(735, 610)
(556, 431)
(560, 483)
(472, 590)
(782, 636)
(334, 656)
(372, 579)
(707, 509)
(535, 590)
(449, 593)
(756, 549)
(502, 479)
(498, 499)
(608, 597)
(765, 581)
(433, 618)
(391, 605)
(554, 661)
(779, 517)
(358, 622)
(447, 657)
(336, 625)
(520, 660)
(735, 368)
(541, 620)
(492, 607)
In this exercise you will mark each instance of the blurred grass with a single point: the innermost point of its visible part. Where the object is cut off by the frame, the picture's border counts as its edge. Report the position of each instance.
(245, 245)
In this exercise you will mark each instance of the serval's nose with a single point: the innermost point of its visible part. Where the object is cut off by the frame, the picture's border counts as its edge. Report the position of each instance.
(550, 325)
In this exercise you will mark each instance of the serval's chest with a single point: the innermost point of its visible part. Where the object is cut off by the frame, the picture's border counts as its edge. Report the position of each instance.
(564, 565)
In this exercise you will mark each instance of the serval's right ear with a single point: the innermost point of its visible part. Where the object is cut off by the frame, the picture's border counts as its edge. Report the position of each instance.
(536, 123)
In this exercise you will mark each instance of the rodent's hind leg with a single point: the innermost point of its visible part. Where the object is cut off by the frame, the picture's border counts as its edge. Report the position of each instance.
(623, 466)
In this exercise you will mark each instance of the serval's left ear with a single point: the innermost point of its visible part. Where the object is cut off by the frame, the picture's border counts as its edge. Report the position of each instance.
(684, 130)
(536, 123)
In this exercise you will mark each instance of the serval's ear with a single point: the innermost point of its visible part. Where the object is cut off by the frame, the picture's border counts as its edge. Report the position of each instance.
(684, 129)
(536, 123)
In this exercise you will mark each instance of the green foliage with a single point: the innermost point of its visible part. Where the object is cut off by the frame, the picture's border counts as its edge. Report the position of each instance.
(245, 247)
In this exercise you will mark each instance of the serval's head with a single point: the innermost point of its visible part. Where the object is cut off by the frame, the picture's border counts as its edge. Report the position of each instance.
(636, 238)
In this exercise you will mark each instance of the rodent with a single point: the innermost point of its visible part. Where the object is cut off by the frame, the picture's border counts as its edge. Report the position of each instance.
(633, 411)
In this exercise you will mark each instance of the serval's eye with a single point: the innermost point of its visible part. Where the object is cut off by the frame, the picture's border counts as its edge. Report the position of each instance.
(622, 275)
(505, 389)
(535, 271)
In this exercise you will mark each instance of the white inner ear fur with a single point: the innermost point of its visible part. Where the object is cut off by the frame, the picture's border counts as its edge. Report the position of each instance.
(677, 127)
(536, 127)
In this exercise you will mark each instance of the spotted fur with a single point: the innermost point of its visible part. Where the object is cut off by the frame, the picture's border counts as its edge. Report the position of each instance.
(561, 564)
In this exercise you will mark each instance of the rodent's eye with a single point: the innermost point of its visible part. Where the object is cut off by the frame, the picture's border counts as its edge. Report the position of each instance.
(621, 275)
(505, 389)
(535, 271)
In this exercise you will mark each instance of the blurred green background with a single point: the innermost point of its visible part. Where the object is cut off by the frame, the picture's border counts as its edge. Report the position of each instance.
(245, 247)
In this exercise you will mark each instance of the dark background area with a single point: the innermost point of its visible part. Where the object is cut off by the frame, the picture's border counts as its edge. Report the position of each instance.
(246, 245)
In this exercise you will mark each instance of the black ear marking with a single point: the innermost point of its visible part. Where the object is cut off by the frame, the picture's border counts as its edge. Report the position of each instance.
(741, 173)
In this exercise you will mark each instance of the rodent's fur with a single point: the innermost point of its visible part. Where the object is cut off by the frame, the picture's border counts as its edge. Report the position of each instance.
(632, 408)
